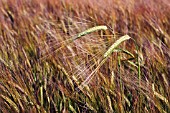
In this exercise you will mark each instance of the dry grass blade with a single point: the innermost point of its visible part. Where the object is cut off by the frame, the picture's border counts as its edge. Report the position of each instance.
(160, 96)
(12, 104)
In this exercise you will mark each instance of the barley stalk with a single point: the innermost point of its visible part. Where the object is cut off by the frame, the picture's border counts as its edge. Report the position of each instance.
(106, 54)
(120, 40)
(90, 30)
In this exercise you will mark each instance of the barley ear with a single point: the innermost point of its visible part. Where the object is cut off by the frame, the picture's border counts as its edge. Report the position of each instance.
(120, 40)
(90, 30)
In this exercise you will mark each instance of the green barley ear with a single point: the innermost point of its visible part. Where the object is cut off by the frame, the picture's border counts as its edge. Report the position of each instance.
(120, 40)
(90, 30)
(106, 54)
(79, 35)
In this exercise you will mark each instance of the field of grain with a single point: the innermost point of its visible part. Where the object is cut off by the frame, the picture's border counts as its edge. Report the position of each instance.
(81, 56)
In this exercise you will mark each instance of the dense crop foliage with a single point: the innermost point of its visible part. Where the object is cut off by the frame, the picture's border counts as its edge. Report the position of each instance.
(85, 56)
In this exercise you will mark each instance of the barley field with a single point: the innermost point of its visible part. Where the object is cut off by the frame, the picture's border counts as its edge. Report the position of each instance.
(84, 56)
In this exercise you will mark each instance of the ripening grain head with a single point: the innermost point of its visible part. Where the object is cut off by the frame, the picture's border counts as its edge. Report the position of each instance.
(90, 30)
(120, 40)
